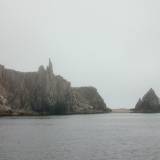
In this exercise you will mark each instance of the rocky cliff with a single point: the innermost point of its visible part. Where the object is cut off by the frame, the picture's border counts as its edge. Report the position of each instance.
(148, 104)
(43, 92)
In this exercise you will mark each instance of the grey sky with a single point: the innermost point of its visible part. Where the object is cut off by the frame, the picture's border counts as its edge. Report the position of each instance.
(113, 45)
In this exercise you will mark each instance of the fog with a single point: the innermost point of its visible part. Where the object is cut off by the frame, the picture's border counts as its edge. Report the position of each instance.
(110, 44)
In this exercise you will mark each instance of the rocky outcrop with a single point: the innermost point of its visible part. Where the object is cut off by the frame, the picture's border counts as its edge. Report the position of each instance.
(88, 100)
(43, 92)
(148, 104)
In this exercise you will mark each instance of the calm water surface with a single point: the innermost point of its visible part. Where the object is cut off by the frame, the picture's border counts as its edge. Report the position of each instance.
(81, 137)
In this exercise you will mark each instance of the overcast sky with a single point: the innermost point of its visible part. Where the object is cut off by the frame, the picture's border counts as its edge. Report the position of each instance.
(113, 45)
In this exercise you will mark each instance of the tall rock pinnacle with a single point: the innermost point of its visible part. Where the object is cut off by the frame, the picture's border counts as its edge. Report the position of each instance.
(50, 67)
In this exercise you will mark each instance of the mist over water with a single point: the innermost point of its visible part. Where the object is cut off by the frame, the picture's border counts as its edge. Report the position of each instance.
(89, 137)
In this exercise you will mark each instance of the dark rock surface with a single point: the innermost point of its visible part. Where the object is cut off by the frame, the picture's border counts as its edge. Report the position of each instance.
(148, 104)
(43, 92)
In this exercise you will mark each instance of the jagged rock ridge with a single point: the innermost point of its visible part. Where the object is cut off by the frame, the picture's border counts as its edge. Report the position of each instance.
(43, 92)
(149, 103)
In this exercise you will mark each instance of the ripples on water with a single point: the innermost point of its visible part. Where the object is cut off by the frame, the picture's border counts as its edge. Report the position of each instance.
(81, 137)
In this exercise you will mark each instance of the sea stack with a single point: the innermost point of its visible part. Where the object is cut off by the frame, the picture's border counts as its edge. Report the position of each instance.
(150, 103)
(44, 93)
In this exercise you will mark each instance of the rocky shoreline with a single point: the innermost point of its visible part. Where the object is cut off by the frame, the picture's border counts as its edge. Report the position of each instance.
(44, 93)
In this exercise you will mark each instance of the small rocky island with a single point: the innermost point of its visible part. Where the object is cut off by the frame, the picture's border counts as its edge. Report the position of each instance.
(44, 93)
(150, 103)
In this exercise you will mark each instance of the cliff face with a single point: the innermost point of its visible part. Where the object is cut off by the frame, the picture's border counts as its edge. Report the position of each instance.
(45, 93)
(148, 104)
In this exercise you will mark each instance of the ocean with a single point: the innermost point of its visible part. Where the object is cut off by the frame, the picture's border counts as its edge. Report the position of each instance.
(114, 136)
